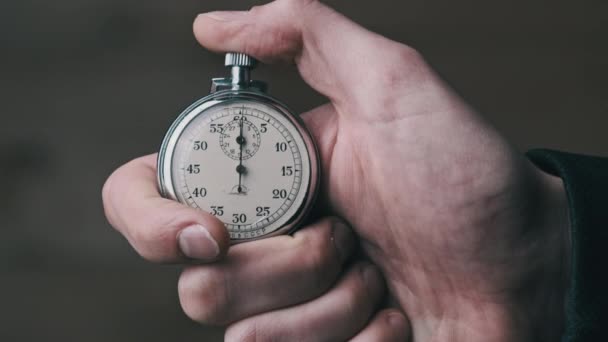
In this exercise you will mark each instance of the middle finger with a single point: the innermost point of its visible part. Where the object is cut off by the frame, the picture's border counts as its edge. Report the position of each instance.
(266, 275)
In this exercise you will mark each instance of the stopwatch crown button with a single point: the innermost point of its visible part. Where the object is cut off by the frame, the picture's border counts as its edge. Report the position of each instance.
(239, 59)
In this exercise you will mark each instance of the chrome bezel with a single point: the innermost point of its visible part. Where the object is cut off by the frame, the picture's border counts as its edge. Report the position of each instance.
(167, 151)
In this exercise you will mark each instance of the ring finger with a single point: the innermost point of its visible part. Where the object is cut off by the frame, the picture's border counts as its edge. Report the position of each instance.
(336, 316)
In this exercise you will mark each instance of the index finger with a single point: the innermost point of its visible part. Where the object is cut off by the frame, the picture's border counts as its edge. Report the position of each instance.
(160, 230)
(335, 56)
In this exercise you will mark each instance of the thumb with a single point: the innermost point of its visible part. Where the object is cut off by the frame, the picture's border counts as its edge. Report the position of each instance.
(159, 229)
(335, 56)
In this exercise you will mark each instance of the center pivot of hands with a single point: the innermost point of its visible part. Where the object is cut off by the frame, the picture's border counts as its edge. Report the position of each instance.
(241, 169)
(240, 140)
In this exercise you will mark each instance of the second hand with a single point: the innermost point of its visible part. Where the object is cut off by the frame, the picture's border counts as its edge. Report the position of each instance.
(241, 141)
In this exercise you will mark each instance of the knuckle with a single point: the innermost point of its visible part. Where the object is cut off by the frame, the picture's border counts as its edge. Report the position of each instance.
(396, 324)
(362, 290)
(296, 5)
(353, 297)
(203, 295)
(408, 54)
(154, 237)
(109, 196)
(316, 264)
(413, 63)
(371, 280)
(403, 71)
(393, 315)
(113, 191)
(320, 258)
(257, 10)
(149, 226)
(277, 37)
(401, 67)
(151, 245)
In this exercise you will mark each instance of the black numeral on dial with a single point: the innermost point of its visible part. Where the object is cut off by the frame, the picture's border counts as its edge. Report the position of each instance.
(281, 147)
(194, 169)
(216, 128)
(239, 218)
(279, 194)
(199, 192)
(263, 211)
(201, 146)
(217, 211)
(287, 171)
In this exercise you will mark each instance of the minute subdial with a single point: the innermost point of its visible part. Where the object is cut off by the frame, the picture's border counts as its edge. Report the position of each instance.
(232, 141)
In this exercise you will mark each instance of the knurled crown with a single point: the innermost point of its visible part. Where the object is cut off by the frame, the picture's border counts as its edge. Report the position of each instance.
(239, 59)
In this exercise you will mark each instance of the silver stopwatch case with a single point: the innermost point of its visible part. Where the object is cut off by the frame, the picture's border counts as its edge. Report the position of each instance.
(224, 92)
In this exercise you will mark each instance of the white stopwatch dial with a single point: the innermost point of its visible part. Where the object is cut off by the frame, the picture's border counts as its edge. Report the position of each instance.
(244, 158)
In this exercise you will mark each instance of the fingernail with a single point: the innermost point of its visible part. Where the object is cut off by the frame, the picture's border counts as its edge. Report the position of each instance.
(343, 240)
(225, 15)
(197, 243)
(395, 319)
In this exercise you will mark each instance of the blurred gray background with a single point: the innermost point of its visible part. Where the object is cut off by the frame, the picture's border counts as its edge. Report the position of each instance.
(87, 85)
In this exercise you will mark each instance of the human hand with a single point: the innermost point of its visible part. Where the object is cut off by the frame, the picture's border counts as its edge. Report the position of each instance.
(472, 238)
(300, 288)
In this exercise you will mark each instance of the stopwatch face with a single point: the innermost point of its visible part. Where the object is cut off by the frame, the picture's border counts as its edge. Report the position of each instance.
(246, 162)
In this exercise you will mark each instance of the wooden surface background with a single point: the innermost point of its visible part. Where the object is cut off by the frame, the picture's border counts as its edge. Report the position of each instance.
(87, 85)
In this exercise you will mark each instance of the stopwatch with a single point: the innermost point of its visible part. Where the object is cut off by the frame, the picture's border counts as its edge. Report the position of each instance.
(242, 156)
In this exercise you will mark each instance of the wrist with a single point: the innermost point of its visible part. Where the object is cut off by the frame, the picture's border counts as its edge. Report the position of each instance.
(534, 310)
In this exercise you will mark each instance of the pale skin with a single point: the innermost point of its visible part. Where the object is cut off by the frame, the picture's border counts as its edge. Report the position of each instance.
(470, 238)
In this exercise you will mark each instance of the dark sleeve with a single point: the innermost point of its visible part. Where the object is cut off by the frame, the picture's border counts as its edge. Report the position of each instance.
(586, 183)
